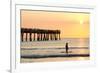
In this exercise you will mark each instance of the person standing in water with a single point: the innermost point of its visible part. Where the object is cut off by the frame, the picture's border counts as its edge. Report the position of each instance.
(66, 47)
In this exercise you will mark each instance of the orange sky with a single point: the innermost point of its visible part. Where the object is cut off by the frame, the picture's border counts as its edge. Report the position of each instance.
(72, 25)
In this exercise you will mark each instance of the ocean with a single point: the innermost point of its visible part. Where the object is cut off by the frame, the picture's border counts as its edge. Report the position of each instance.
(44, 51)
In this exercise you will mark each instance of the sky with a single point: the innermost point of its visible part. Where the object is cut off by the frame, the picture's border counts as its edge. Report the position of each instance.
(71, 24)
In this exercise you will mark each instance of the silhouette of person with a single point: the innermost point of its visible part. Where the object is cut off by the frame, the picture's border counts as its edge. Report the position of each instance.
(66, 47)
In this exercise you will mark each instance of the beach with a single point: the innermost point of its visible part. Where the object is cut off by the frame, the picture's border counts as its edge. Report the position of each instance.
(52, 51)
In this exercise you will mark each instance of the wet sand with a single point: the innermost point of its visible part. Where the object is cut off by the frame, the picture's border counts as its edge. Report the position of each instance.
(60, 59)
(53, 55)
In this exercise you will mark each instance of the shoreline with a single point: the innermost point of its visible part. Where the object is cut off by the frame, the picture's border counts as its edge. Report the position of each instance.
(50, 55)
(54, 56)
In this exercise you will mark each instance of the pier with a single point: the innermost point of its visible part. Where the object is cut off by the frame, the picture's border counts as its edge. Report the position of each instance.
(29, 34)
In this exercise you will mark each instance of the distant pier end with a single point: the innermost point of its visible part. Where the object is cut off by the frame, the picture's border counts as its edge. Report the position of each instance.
(29, 34)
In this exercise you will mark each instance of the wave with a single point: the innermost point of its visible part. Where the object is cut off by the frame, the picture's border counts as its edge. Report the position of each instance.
(54, 48)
